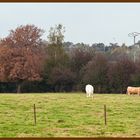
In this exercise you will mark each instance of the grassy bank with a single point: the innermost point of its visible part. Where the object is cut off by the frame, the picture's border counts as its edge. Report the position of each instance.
(69, 115)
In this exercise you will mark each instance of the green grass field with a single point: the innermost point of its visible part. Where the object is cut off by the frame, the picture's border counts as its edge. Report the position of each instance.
(69, 115)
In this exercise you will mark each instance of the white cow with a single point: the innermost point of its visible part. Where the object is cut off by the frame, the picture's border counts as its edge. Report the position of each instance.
(89, 90)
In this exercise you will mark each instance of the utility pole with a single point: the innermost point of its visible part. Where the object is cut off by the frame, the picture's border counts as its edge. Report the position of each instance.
(134, 34)
(134, 56)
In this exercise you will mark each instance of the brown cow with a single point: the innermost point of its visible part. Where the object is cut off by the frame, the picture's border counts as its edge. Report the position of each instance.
(133, 90)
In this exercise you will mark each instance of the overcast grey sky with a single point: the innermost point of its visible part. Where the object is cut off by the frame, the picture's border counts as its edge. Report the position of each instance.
(84, 22)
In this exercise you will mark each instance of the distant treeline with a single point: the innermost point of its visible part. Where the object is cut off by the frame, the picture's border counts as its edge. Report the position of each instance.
(29, 64)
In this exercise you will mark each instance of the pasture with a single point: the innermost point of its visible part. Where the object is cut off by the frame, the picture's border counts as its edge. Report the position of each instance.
(69, 115)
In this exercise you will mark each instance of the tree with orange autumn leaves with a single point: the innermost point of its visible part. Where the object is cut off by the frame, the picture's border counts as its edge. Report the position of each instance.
(21, 57)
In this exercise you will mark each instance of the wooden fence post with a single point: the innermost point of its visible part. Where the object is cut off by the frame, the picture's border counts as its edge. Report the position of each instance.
(105, 118)
(34, 114)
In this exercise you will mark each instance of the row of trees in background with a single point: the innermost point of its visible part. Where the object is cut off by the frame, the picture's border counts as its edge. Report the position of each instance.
(30, 64)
